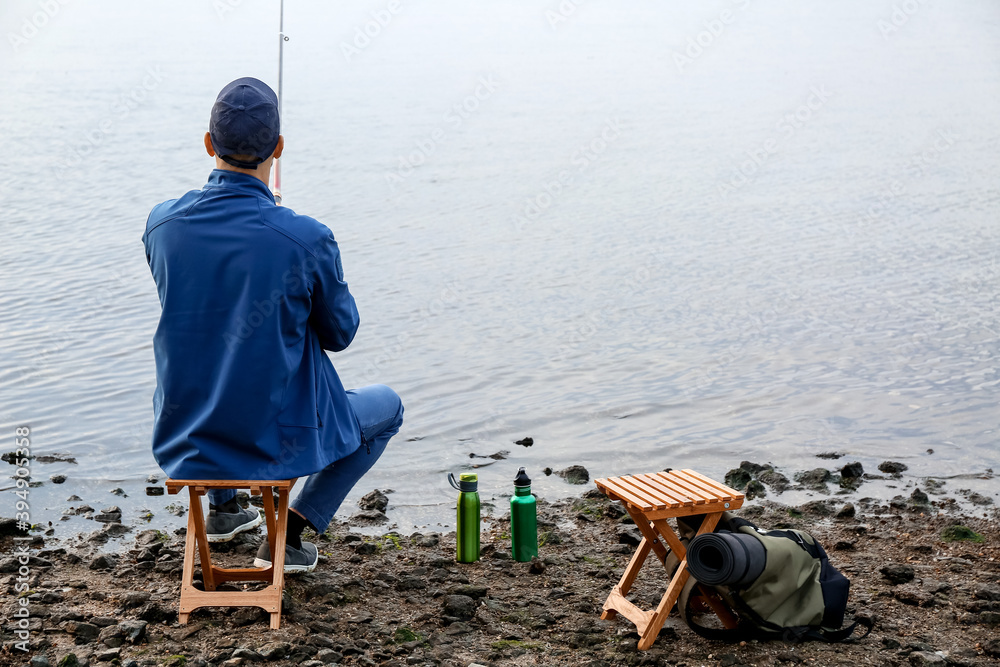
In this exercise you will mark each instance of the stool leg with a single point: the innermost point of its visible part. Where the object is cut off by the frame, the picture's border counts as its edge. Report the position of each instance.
(202, 538)
(278, 557)
(276, 538)
(187, 578)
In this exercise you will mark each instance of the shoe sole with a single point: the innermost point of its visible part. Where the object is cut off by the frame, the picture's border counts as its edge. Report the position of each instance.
(225, 537)
(289, 569)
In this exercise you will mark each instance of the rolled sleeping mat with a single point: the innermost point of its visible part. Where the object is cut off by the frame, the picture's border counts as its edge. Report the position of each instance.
(726, 559)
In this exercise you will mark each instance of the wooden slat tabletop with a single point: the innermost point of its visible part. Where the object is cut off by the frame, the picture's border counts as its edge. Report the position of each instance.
(662, 490)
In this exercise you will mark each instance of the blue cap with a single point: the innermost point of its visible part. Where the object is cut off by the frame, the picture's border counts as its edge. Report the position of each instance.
(245, 122)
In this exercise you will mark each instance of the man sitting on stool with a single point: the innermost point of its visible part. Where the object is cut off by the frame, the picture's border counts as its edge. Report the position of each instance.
(252, 294)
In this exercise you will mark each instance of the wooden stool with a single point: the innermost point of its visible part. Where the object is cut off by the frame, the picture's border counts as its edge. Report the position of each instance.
(650, 500)
(268, 598)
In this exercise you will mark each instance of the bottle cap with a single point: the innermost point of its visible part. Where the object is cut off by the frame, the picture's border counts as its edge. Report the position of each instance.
(522, 478)
(468, 481)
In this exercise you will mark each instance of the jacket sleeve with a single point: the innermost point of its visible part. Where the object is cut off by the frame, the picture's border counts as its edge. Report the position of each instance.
(334, 314)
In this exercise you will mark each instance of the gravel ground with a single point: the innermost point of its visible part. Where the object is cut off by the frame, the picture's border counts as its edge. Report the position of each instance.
(403, 600)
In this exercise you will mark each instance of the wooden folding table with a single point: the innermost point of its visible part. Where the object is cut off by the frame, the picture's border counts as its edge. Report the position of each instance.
(650, 499)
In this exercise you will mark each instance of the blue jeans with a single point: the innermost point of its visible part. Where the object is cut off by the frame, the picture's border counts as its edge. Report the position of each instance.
(380, 413)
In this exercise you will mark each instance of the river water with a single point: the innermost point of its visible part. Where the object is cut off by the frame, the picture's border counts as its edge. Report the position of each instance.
(645, 234)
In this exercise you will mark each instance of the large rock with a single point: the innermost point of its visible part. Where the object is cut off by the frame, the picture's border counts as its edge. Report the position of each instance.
(575, 474)
(898, 573)
(374, 500)
(459, 606)
(892, 467)
(133, 631)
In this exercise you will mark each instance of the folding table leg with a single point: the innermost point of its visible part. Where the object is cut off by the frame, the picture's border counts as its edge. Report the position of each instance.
(628, 577)
(674, 589)
(643, 524)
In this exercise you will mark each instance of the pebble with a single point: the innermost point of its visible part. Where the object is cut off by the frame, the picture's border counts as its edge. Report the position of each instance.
(897, 573)
(133, 631)
(102, 562)
(460, 606)
(846, 512)
(814, 479)
(852, 470)
(57, 479)
(368, 518)
(920, 658)
(374, 500)
(892, 467)
(525, 442)
(274, 650)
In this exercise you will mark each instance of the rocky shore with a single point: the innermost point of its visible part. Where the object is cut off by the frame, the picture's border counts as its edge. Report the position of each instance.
(926, 573)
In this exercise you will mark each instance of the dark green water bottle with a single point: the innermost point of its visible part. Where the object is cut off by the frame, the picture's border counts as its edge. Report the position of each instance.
(523, 520)
(467, 529)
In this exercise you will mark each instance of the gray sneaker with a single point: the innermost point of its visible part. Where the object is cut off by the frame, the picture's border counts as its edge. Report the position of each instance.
(222, 527)
(296, 560)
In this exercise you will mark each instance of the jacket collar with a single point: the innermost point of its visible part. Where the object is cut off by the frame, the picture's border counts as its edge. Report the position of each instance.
(233, 180)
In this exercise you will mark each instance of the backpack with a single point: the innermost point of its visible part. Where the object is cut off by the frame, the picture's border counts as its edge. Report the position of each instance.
(790, 591)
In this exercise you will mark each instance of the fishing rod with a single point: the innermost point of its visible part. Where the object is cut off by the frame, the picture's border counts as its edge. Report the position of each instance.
(282, 38)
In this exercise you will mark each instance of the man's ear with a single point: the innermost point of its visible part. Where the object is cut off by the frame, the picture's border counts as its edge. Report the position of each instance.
(280, 147)
(208, 144)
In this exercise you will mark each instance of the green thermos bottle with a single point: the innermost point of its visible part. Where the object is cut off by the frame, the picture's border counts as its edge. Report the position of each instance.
(523, 520)
(467, 529)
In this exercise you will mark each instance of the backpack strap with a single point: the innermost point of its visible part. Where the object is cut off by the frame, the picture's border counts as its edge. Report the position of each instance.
(732, 635)
(752, 626)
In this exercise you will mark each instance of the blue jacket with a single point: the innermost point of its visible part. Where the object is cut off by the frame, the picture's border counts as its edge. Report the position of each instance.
(252, 294)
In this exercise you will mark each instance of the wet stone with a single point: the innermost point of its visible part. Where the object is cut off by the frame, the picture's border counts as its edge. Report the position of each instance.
(892, 467)
(814, 479)
(102, 562)
(133, 631)
(374, 500)
(852, 470)
(979, 499)
(898, 573)
(575, 474)
(368, 518)
(755, 490)
(274, 650)
(629, 536)
(459, 606)
(57, 479)
(846, 512)
(919, 497)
